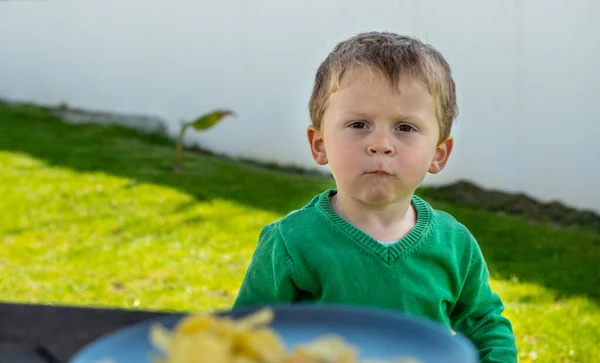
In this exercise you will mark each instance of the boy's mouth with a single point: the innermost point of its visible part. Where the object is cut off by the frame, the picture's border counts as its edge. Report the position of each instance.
(379, 172)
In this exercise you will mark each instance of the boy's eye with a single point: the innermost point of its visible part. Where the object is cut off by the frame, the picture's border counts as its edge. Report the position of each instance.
(358, 125)
(406, 128)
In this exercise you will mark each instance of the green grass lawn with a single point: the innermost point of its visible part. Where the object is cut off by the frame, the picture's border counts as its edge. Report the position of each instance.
(93, 215)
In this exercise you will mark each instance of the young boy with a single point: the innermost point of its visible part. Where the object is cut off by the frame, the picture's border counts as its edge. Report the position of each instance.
(382, 109)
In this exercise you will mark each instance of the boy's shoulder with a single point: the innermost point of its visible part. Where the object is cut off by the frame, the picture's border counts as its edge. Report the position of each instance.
(445, 226)
(308, 212)
(441, 217)
(299, 222)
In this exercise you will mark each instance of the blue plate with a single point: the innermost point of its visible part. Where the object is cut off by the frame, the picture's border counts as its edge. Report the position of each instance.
(377, 334)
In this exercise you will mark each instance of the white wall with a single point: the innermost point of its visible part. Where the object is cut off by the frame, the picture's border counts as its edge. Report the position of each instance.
(527, 74)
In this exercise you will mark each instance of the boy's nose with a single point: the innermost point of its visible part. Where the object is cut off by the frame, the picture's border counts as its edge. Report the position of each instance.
(380, 145)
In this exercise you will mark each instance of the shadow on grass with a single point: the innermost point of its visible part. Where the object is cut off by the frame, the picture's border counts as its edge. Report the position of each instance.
(148, 159)
(565, 260)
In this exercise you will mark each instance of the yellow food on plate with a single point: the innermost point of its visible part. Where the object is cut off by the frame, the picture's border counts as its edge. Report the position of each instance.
(208, 338)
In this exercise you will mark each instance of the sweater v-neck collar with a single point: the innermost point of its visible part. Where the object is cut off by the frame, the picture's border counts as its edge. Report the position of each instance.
(390, 254)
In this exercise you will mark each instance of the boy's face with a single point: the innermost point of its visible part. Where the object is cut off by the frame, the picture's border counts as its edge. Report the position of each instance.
(379, 141)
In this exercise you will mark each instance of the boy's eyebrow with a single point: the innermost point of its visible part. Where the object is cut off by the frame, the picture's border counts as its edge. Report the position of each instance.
(415, 117)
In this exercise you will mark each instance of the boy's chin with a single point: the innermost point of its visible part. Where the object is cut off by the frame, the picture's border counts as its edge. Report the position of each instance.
(379, 196)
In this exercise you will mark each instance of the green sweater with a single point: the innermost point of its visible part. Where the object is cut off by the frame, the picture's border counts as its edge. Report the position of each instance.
(437, 271)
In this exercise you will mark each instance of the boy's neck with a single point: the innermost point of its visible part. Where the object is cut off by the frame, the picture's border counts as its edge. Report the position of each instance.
(383, 223)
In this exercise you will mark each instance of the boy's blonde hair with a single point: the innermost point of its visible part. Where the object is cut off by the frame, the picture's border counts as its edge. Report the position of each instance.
(393, 55)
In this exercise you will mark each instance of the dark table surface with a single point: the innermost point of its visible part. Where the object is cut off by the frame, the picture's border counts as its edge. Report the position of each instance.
(53, 334)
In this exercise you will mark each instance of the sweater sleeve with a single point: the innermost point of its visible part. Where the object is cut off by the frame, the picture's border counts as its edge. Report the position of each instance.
(270, 276)
(478, 315)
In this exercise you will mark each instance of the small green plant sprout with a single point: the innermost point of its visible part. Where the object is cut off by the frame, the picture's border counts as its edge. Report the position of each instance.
(202, 123)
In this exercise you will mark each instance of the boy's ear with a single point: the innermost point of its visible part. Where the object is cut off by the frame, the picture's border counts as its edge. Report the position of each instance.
(317, 145)
(442, 153)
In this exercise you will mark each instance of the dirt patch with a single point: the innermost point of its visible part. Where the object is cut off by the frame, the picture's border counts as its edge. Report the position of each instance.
(468, 194)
